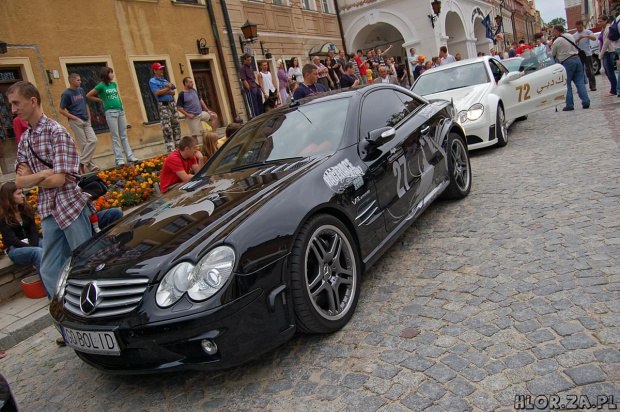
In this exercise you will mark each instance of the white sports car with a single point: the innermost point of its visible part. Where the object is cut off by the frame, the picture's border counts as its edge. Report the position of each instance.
(488, 97)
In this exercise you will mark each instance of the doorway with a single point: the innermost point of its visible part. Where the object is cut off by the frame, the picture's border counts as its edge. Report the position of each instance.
(8, 144)
(205, 86)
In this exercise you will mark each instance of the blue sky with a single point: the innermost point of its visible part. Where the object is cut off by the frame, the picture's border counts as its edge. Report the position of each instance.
(550, 9)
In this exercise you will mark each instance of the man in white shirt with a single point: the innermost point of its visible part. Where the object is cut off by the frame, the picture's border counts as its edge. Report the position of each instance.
(384, 78)
(445, 57)
(582, 38)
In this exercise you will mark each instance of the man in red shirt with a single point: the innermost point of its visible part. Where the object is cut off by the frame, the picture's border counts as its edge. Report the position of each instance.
(178, 165)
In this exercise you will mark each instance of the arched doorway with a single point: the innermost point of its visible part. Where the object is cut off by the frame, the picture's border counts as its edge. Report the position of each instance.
(381, 35)
(457, 39)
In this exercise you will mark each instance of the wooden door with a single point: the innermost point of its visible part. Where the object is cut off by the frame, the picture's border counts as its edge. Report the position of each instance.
(205, 86)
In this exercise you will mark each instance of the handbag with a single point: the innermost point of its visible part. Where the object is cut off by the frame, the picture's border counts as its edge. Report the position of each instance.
(93, 184)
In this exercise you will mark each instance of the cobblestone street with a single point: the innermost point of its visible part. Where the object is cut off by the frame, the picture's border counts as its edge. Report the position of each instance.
(514, 290)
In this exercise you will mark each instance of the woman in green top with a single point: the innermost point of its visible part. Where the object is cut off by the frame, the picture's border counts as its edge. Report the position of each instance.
(114, 113)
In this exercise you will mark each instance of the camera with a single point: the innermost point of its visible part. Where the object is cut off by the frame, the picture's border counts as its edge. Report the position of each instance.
(173, 87)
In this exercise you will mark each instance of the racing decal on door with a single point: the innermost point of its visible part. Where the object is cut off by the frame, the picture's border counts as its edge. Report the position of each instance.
(343, 175)
(399, 167)
(524, 91)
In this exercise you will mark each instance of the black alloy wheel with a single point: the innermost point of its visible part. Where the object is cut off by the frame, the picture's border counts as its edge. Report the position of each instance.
(325, 275)
(501, 127)
(459, 168)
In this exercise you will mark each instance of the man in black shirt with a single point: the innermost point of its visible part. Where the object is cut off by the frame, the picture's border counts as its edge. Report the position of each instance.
(348, 79)
(309, 86)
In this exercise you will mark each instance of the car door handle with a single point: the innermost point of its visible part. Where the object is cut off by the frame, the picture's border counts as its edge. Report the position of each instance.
(558, 71)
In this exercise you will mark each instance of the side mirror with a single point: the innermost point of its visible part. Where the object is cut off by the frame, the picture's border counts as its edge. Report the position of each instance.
(509, 77)
(375, 139)
(382, 135)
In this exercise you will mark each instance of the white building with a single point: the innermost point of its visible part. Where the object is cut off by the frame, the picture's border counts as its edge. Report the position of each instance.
(406, 23)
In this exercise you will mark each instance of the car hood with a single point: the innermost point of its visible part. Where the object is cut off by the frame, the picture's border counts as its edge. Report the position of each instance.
(182, 223)
(464, 97)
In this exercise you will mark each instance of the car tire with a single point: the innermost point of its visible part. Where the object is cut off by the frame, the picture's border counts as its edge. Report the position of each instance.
(596, 65)
(325, 274)
(459, 168)
(501, 128)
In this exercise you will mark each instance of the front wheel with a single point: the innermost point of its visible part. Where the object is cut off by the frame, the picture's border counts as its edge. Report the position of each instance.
(501, 128)
(325, 275)
(459, 168)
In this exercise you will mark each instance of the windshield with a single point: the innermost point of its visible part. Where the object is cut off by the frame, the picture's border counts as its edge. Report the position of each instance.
(303, 131)
(513, 64)
(449, 79)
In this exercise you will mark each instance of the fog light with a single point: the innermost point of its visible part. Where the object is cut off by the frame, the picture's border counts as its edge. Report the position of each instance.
(209, 346)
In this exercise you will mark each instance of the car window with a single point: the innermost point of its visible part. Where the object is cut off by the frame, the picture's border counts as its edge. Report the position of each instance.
(450, 78)
(497, 70)
(411, 103)
(381, 108)
(302, 131)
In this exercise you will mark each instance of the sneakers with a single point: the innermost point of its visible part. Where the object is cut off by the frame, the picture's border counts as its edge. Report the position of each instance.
(568, 109)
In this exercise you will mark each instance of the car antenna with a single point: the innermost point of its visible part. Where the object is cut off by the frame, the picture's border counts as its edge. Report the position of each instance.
(294, 102)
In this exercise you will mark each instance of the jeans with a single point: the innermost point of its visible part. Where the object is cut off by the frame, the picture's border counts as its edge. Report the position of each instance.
(609, 65)
(574, 74)
(59, 243)
(30, 255)
(118, 128)
(108, 216)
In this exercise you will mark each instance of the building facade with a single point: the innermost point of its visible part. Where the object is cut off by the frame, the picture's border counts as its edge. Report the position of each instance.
(48, 39)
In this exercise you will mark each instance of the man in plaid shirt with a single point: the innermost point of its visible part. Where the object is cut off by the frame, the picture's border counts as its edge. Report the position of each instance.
(62, 205)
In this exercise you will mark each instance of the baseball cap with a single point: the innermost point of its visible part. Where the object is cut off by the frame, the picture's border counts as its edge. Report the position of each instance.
(157, 66)
(421, 56)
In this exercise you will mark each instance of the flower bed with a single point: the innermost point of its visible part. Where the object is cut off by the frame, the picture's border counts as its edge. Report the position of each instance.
(127, 186)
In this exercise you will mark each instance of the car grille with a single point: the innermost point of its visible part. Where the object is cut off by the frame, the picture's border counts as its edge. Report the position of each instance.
(132, 357)
(115, 296)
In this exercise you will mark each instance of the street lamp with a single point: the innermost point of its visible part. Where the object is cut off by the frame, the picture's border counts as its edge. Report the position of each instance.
(250, 33)
(436, 5)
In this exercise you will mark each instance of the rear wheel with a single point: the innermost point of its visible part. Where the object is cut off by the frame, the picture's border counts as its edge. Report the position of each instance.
(325, 275)
(459, 168)
(501, 128)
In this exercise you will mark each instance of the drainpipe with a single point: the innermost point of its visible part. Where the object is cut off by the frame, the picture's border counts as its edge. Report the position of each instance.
(233, 49)
(220, 55)
(344, 45)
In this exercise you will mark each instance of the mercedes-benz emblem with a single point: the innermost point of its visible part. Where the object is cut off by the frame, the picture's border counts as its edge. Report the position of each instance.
(99, 267)
(88, 299)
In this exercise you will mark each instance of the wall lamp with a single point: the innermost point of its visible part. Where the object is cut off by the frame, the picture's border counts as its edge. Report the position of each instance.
(49, 76)
(201, 44)
(498, 20)
(3, 47)
(267, 53)
(436, 5)
(181, 68)
(250, 33)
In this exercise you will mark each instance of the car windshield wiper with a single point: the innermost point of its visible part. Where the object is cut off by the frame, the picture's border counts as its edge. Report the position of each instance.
(265, 162)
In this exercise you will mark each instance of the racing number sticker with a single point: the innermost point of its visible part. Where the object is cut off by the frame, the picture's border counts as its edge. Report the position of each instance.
(525, 88)
(402, 185)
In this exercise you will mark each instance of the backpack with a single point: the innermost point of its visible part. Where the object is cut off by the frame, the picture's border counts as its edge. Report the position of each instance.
(614, 33)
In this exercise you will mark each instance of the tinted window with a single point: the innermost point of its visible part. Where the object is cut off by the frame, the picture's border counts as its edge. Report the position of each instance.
(410, 102)
(304, 131)
(497, 70)
(381, 108)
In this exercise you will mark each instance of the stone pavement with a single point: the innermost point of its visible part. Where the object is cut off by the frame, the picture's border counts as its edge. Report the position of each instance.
(20, 318)
(514, 290)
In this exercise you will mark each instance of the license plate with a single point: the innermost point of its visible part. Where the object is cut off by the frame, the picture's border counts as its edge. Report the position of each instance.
(100, 343)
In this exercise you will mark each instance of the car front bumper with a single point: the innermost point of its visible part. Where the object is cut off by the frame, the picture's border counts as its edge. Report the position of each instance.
(253, 324)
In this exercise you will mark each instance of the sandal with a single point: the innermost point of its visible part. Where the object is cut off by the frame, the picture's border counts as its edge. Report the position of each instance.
(2, 354)
(61, 341)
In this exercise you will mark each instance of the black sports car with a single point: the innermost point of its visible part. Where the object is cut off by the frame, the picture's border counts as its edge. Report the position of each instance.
(270, 237)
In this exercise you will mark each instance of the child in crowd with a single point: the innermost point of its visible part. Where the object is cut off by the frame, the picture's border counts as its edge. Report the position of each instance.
(368, 72)
(209, 144)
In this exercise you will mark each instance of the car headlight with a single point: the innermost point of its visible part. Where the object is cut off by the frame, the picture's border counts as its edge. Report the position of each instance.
(471, 114)
(62, 279)
(174, 284)
(211, 273)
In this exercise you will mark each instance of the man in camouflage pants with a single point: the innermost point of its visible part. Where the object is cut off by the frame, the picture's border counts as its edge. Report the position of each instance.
(164, 92)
